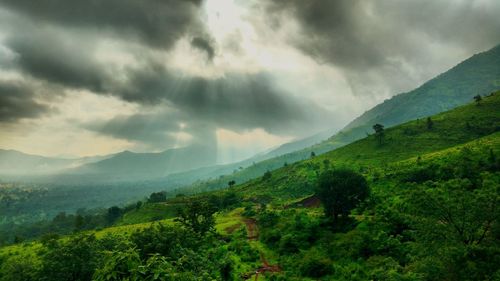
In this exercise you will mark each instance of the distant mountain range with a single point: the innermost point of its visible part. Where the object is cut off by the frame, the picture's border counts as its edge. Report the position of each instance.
(140, 166)
(194, 162)
(13, 162)
(125, 165)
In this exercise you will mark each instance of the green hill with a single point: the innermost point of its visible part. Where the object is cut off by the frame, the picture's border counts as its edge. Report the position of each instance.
(412, 138)
(409, 140)
(478, 75)
(138, 174)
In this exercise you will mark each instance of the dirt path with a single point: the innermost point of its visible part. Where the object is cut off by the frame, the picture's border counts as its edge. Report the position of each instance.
(252, 235)
(252, 231)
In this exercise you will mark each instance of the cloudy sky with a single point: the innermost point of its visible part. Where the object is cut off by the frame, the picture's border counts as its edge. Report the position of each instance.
(101, 76)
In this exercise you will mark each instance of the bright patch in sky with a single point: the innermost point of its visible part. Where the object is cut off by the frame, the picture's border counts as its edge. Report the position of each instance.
(234, 146)
(60, 134)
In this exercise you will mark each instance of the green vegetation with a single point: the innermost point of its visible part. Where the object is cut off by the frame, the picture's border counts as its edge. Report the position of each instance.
(198, 216)
(379, 132)
(421, 205)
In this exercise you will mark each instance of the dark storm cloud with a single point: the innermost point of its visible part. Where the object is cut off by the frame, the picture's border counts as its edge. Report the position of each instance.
(331, 31)
(65, 56)
(158, 23)
(204, 45)
(150, 129)
(17, 101)
(53, 57)
(388, 41)
(157, 130)
(235, 101)
(360, 33)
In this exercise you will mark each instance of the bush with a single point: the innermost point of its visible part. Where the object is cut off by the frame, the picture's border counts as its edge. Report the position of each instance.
(157, 197)
(19, 268)
(289, 244)
(422, 174)
(315, 265)
(73, 259)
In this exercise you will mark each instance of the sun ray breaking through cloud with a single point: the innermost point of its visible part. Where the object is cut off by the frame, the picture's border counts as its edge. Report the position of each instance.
(258, 72)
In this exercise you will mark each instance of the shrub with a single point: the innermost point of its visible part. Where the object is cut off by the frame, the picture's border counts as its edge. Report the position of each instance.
(315, 265)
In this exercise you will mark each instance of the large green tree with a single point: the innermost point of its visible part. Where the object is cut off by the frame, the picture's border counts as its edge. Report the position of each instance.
(198, 215)
(340, 191)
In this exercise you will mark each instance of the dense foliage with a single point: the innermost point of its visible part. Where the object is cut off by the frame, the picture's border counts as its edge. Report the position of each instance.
(340, 191)
(155, 253)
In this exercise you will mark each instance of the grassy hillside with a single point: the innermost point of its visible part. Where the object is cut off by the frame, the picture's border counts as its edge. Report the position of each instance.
(407, 140)
(478, 75)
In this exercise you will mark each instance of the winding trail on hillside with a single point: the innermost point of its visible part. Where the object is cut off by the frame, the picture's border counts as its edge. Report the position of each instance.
(252, 230)
(253, 235)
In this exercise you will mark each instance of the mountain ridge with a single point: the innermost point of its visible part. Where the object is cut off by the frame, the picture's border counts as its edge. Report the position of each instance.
(481, 69)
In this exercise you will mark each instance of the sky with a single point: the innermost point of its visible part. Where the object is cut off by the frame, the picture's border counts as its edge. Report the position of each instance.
(81, 78)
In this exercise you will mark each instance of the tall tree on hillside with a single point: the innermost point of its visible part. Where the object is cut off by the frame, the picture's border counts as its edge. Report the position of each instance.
(478, 99)
(430, 124)
(340, 191)
(231, 183)
(138, 205)
(267, 175)
(379, 132)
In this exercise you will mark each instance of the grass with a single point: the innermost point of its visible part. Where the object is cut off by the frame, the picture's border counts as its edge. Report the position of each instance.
(229, 221)
(34, 246)
(149, 212)
(128, 229)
